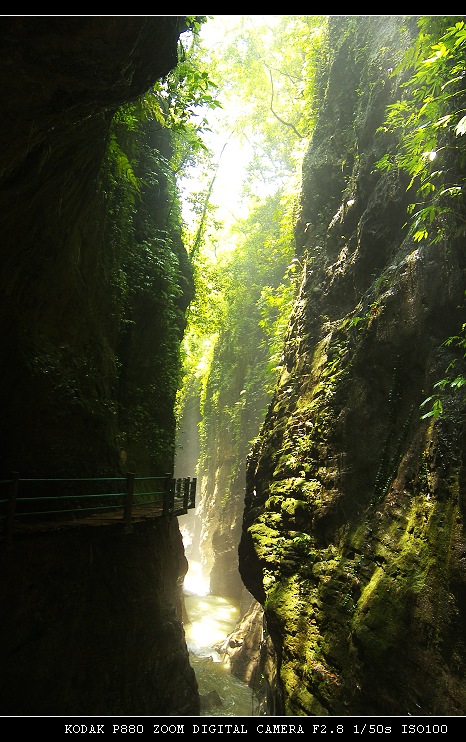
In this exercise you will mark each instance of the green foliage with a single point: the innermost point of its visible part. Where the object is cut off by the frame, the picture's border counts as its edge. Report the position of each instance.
(179, 102)
(245, 272)
(152, 139)
(430, 121)
(452, 382)
(122, 168)
(268, 74)
(186, 97)
(265, 76)
(257, 293)
(195, 22)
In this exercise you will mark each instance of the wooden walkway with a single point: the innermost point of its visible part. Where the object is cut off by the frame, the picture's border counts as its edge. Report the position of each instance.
(140, 499)
(112, 518)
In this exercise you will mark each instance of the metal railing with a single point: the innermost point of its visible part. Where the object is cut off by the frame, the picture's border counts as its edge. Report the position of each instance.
(42, 501)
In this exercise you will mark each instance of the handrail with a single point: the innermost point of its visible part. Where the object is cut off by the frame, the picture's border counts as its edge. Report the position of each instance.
(175, 497)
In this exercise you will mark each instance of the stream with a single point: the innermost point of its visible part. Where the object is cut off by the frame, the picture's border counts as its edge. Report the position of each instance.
(211, 620)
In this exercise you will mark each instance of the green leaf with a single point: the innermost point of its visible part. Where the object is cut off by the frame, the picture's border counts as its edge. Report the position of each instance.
(420, 234)
(461, 127)
(435, 412)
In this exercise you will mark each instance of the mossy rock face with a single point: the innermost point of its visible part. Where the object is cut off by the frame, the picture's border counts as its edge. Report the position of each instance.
(362, 571)
(295, 510)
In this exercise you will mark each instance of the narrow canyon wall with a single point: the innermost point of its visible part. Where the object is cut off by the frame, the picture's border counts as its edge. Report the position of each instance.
(90, 620)
(353, 535)
(239, 386)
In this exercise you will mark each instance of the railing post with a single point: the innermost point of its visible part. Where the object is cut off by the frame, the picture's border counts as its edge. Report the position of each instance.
(129, 501)
(192, 493)
(179, 482)
(169, 494)
(185, 495)
(11, 507)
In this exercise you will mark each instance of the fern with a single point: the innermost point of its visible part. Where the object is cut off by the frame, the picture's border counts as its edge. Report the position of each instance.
(122, 167)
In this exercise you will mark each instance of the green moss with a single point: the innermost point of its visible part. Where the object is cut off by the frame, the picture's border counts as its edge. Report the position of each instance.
(267, 540)
(293, 508)
(284, 602)
(313, 491)
(305, 671)
(414, 564)
(380, 620)
(299, 488)
(286, 487)
(273, 503)
(300, 697)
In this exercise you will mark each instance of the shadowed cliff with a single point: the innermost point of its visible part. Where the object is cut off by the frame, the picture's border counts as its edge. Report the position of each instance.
(91, 621)
(75, 317)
